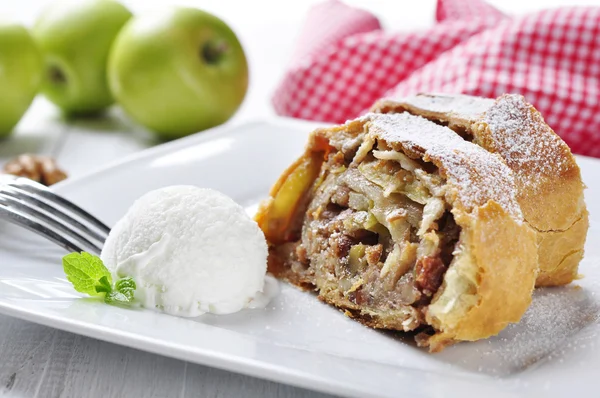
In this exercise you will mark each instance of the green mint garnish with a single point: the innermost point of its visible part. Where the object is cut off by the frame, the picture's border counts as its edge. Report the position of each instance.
(123, 292)
(85, 271)
(88, 275)
(115, 297)
(104, 285)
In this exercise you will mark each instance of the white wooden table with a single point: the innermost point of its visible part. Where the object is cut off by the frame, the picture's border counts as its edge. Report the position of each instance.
(37, 361)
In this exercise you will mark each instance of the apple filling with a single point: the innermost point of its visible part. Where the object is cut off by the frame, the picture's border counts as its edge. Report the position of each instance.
(375, 233)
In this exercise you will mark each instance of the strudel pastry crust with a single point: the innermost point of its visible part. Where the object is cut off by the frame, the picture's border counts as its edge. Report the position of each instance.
(406, 226)
(550, 190)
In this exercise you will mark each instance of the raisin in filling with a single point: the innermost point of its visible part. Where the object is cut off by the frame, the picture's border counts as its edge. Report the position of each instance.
(378, 230)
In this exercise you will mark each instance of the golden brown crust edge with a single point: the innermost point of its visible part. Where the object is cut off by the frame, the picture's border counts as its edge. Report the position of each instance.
(489, 274)
(550, 187)
(560, 252)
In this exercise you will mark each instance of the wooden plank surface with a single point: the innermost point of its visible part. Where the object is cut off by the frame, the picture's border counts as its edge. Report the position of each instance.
(37, 361)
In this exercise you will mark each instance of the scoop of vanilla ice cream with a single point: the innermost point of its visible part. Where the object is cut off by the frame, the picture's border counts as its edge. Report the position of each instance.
(190, 251)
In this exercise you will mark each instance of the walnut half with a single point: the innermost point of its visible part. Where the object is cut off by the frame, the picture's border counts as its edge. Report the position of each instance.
(42, 169)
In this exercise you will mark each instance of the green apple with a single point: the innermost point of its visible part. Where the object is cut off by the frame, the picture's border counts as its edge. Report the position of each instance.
(178, 72)
(75, 37)
(20, 74)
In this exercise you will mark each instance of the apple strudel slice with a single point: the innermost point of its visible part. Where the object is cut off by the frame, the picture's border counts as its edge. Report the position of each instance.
(549, 186)
(403, 225)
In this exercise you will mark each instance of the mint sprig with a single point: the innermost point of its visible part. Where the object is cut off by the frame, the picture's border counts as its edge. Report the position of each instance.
(123, 292)
(88, 275)
(85, 272)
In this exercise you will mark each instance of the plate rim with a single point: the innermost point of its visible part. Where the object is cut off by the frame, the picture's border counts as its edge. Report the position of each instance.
(195, 139)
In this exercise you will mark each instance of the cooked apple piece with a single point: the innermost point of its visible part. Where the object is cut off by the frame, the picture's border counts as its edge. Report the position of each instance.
(287, 198)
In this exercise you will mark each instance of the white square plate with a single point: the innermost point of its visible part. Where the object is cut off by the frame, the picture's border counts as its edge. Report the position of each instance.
(554, 350)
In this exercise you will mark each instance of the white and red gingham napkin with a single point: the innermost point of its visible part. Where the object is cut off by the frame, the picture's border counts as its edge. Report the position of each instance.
(345, 61)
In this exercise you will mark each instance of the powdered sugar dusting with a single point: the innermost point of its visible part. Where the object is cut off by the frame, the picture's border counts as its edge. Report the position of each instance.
(477, 175)
(552, 326)
(525, 141)
(555, 315)
(462, 106)
(512, 129)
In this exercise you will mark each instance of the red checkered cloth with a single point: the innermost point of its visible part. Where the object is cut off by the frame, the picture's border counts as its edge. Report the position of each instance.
(344, 62)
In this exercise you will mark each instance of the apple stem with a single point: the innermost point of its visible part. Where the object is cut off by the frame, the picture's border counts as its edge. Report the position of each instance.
(56, 75)
(212, 52)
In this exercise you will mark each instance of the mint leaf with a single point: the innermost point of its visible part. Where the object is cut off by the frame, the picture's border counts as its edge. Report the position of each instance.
(85, 272)
(104, 285)
(122, 293)
(88, 275)
(116, 297)
(126, 286)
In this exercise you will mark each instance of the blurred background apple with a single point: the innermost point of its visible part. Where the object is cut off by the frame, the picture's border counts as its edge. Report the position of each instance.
(20, 74)
(75, 37)
(178, 71)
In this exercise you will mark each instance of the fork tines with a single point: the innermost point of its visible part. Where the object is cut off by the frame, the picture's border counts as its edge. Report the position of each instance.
(37, 208)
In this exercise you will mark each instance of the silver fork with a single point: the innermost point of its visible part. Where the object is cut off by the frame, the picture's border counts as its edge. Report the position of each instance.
(33, 206)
